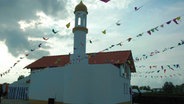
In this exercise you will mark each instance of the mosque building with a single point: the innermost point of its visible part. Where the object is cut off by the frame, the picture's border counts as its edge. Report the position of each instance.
(81, 78)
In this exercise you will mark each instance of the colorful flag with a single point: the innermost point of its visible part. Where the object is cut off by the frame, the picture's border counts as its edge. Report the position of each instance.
(129, 39)
(162, 25)
(105, 1)
(149, 32)
(137, 8)
(68, 25)
(45, 38)
(104, 31)
(168, 22)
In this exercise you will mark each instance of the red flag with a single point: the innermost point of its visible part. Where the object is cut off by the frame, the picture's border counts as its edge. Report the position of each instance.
(45, 38)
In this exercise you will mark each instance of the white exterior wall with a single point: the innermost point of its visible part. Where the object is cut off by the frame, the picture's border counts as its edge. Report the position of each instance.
(81, 83)
(46, 84)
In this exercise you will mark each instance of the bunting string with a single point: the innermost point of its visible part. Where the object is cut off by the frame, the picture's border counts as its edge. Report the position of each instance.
(27, 54)
(153, 53)
(157, 76)
(164, 70)
(144, 56)
(149, 32)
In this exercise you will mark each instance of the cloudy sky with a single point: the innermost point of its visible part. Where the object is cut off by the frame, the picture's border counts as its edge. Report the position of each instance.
(24, 23)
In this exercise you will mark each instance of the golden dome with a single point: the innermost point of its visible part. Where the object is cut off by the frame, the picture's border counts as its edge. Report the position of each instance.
(81, 7)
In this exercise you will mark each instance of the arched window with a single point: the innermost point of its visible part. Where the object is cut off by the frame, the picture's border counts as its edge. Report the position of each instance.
(79, 21)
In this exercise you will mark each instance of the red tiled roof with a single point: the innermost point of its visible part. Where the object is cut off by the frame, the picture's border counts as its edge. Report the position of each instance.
(49, 61)
(116, 58)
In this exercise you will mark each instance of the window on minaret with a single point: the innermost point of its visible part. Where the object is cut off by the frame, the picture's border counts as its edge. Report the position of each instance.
(79, 21)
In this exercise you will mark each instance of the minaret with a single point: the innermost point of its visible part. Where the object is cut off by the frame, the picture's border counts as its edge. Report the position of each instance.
(80, 30)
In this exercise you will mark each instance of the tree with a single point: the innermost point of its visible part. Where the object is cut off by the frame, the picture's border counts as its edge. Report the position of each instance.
(135, 87)
(145, 88)
(168, 87)
(21, 77)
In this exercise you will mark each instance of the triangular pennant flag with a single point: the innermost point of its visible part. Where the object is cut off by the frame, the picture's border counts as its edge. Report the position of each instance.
(152, 53)
(111, 46)
(55, 32)
(137, 8)
(170, 67)
(32, 49)
(177, 66)
(164, 70)
(156, 28)
(145, 56)
(106, 49)
(175, 21)
(179, 44)
(14, 64)
(129, 39)
(168, 22)
(178, 18)
(104, 31)
(139, 35)
(118, 23)
(21, 57)
(162, 25)
(152, 30)
(120, 44)
(68, 25)
(90, 41)
(164, 50)
(27, 54)
(39, 45)
(45, 38)
(149, 32)
(105, 1)
(156, 51)
(171, 47)
(182, 41)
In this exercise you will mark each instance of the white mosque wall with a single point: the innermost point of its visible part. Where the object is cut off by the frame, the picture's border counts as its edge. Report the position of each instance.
(47, 83)
(81, 83)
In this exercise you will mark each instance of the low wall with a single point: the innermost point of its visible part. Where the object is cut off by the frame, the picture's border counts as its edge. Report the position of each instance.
(159, 99)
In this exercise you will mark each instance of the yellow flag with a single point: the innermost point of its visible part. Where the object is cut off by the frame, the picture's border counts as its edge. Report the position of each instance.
(178, 18)
(104, 31)
(68, 25)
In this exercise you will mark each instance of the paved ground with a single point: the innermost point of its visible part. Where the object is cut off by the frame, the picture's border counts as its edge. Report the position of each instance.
(9, 101)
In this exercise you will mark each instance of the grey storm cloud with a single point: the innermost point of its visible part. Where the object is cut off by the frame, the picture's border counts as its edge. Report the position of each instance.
(12, 11)
(15, 40)
(26, 9)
